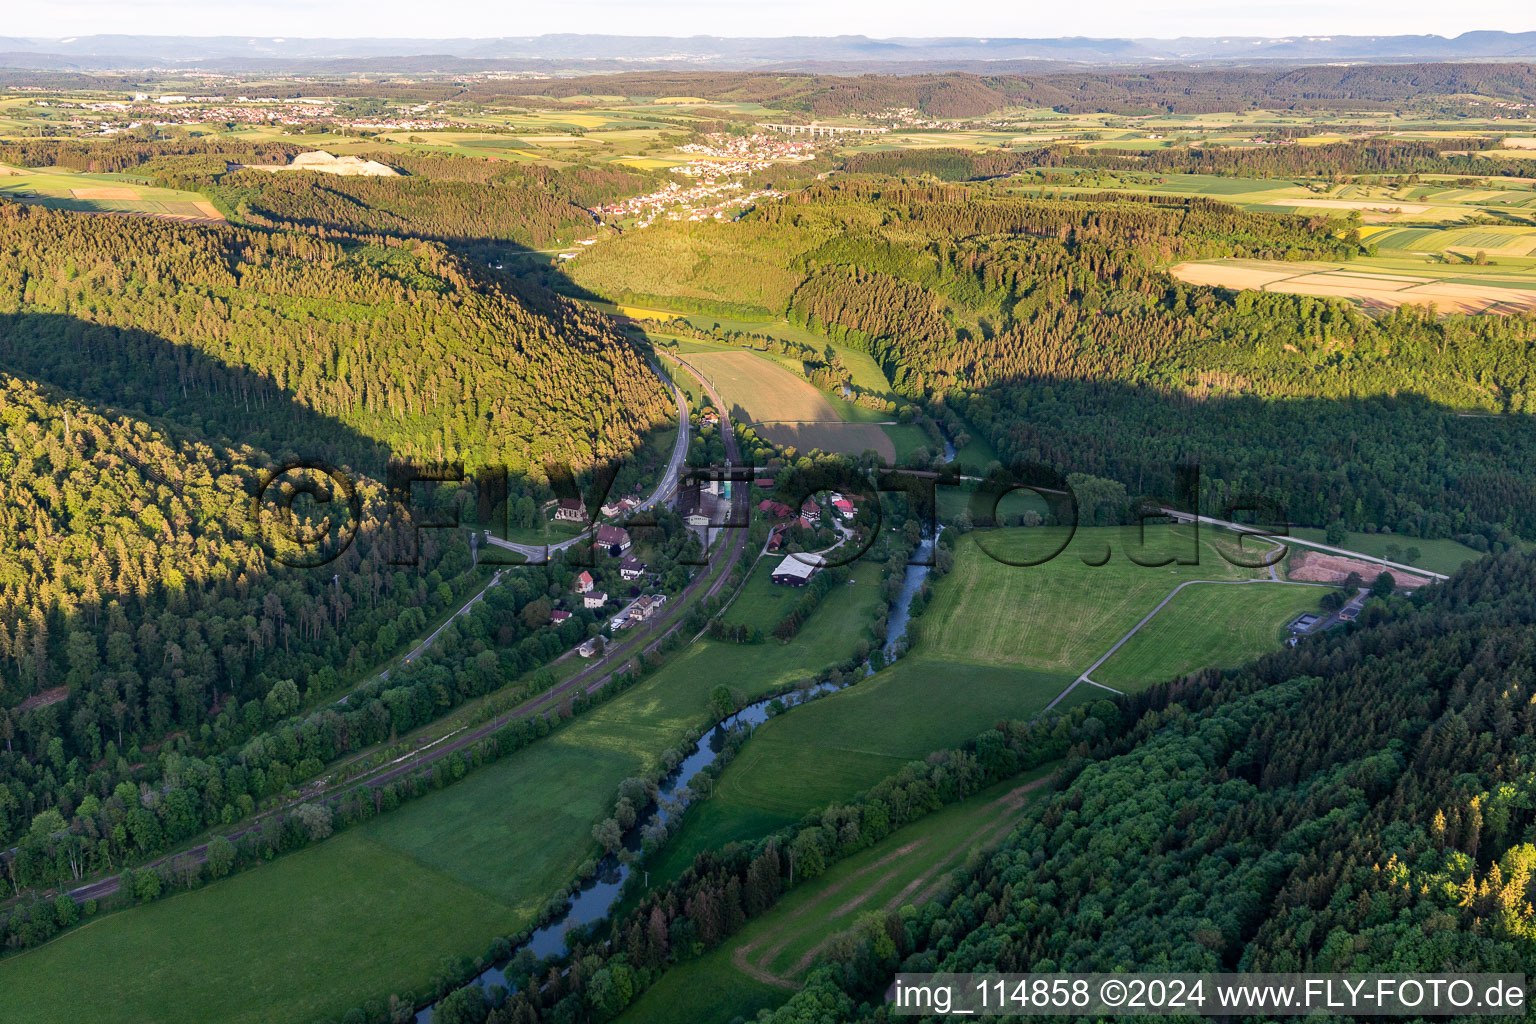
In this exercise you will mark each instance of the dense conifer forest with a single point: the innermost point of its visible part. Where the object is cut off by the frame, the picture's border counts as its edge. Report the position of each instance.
(150, 373)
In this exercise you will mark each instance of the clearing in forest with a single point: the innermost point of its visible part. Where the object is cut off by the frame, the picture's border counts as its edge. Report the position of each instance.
(785, 408)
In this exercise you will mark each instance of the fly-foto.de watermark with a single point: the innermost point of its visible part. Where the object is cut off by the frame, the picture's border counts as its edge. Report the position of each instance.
(1209, 995)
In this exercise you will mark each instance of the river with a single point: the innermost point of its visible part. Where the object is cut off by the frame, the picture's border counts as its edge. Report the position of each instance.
(595, 897)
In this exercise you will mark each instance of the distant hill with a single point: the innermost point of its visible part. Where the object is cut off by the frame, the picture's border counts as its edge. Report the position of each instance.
(611, 52)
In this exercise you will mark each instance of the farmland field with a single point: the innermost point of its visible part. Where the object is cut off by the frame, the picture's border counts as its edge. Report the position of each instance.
(838, 746)
(784, 407)
(762, 964)
(102, 193)
(1375, 286)
(347, 915)
(1442, 556)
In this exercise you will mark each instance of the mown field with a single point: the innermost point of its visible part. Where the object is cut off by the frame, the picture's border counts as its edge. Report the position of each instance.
(376, 909)
(101, 193)
(760, 966)
(1060, 616)
(838, 746)
(1208, 624)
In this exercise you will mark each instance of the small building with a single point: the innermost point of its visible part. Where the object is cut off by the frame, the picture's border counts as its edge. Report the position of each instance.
(631, 568)
(615, 539)
(810, 515)
(1351, 611)
(588, 647)
(709, 418)
(594, 599)
(558, 617)
(776, 537)
(697, 519)
(1305, 622)
(765, 482)
(844, 507)
(571, 510)
(583, 582)
(794, 572)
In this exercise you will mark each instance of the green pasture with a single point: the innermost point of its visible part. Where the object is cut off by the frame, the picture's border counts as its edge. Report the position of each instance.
(376, 909)
(1208, 624)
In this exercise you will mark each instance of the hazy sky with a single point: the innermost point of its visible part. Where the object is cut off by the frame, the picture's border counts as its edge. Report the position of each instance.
(876, 18)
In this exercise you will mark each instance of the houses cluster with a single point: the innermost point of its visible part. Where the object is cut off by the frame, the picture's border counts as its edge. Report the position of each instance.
(911, 117)
(757, 148)
(195, 110)
(709, 199)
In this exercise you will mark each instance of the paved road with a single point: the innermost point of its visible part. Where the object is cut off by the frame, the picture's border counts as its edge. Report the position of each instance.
(666, 487)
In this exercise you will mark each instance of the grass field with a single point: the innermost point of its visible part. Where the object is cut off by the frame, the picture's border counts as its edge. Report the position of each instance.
(1208, 624)
(376, 909)
(1060, 616)
(304, 938)
(762, 964)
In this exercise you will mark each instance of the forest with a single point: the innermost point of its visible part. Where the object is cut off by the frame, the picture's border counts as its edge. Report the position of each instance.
(959, 94)
(150, 373)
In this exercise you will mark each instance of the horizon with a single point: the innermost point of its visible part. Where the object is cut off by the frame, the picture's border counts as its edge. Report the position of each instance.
(737, 19)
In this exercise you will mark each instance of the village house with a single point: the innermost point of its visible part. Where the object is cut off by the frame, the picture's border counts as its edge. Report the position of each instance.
(640, 609)
(583, 582)
(709, 418)
(594, 599)
(776, 537)
(558, 617)
(844, 507)
(621, 507)
(588, 647)
(810, 515)
(571, 510)
(794, 571)
(613, 539)
(776, 509)
(631, 568)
